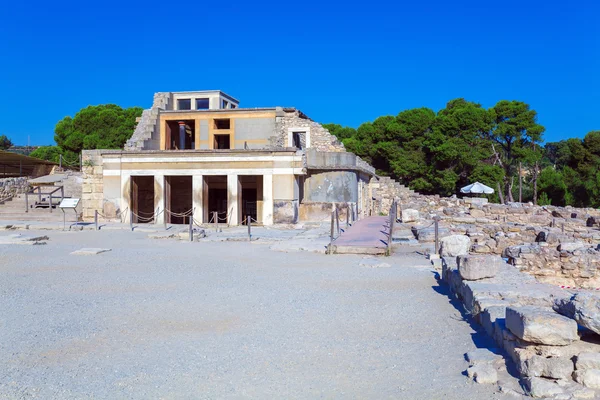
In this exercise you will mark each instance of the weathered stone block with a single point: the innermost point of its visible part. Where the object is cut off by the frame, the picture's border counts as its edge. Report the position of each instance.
(540, 387)
(572, 246)
(588, 378)
(474, 267)
(553, 367)
(410, 215)
(583, 308)
(588, 361)
(538, 325)
(483, 373)
(455, 245)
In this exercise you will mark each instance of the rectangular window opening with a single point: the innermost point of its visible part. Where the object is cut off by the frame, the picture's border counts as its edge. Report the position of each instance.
(202, 104)
(223, 123)
(222, 142)
(296, 140)
(184, 104)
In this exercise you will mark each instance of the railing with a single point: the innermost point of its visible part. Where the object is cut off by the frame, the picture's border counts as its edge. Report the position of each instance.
(99, 214)
(7, 197)
(336, 231)
(37, 191)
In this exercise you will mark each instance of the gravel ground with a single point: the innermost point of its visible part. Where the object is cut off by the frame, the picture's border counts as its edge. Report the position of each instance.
(169, 319)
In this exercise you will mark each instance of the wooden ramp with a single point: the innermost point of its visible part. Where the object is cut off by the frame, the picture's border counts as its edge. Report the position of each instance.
(366, 236)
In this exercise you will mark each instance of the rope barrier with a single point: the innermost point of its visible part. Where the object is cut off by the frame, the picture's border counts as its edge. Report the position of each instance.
(428, 226)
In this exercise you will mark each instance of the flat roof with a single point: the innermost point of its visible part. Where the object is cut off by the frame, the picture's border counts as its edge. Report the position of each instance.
(14, 164)
(208, 92)
(176, 153)
(225, 110)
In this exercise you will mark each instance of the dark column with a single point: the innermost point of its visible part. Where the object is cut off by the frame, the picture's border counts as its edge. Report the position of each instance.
(182, 134)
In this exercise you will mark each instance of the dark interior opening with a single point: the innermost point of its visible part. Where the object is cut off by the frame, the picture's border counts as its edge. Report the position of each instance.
(217, 197)
(223, 123)
(178, 198)
(222, 142)
(142, 199)
(174, 132)
(296, 139)
(251, 196)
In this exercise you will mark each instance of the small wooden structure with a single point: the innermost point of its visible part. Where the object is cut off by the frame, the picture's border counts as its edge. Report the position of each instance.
(46, 189)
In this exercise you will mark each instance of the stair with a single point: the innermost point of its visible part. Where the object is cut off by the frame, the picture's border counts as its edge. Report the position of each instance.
(14, 210)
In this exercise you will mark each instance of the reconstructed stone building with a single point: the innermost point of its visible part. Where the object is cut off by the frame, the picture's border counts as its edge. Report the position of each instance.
(201, 151)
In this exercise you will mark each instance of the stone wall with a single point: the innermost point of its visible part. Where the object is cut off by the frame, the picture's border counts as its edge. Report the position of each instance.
(13, 186)
(320, 138)
(550, 334)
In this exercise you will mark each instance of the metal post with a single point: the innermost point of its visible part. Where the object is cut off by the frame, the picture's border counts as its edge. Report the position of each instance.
(165, 218)
(60, 161)
(131, 220)
(39, 189)
(80, 162)
(437, 236)
(331, 234)
(337, 221)
(216, 216)
(96, 218)
(391, 232)
(347, 216)
(191, 228)
(27, 201)
(249, 222)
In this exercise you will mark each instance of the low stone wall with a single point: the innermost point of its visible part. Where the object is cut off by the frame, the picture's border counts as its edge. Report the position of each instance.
(12, 186)
(534, 323)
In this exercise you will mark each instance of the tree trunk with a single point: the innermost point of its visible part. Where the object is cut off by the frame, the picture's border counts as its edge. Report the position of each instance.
(500, 193)
(520, 184)
(535, 178)
(509, 195)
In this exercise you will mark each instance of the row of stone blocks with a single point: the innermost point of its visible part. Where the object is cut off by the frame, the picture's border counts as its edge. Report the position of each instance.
(550, 334)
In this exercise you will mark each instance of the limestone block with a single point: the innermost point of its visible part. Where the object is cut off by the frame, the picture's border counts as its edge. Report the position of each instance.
(553, 367)
(583, 308)
(89, 251)
(477, 213)
(540, 387)
(572, 246)
(410, 215)
(588, 377)
(588, 361)
(455, 245)
(482, 356)
(483, 373)
(539, 325)
(475, 267)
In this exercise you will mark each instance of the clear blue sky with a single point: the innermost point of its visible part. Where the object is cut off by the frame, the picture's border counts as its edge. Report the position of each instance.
(338, 62)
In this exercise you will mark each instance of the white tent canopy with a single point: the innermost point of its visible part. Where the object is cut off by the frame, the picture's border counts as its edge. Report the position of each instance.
(477, 188)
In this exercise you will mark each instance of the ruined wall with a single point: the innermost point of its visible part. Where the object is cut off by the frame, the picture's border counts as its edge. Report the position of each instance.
(12, 186)
(98, 192)
(320, 138)
(331, 186)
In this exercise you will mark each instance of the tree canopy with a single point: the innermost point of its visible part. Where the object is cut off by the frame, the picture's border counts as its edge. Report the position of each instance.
(106, 126)
(438, 153)
(5, 142)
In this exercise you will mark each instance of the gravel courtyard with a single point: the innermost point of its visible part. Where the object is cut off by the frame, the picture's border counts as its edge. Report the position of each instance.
(170, 319)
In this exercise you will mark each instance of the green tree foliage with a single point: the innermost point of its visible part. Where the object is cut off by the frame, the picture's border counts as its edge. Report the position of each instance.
(5, 142)
(49, 153)
(96, 127)
(105, 126)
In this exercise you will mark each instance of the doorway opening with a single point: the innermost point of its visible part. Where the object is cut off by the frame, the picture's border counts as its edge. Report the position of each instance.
(181, 135)
(216, 190)
(142, 199)
(178, 199)
(252, 199)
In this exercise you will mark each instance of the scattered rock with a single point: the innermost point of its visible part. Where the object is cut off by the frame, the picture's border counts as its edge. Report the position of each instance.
(455, 245)
(89, 251)
(541, 237)
(538, 325)
(483, 373)
(477, 213)
(482, 356)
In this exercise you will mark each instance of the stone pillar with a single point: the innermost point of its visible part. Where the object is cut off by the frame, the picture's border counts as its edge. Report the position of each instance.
(159, 197)
(182, 135)
(233, 202)
(198, 197)
(267, 199)
(126, 197)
